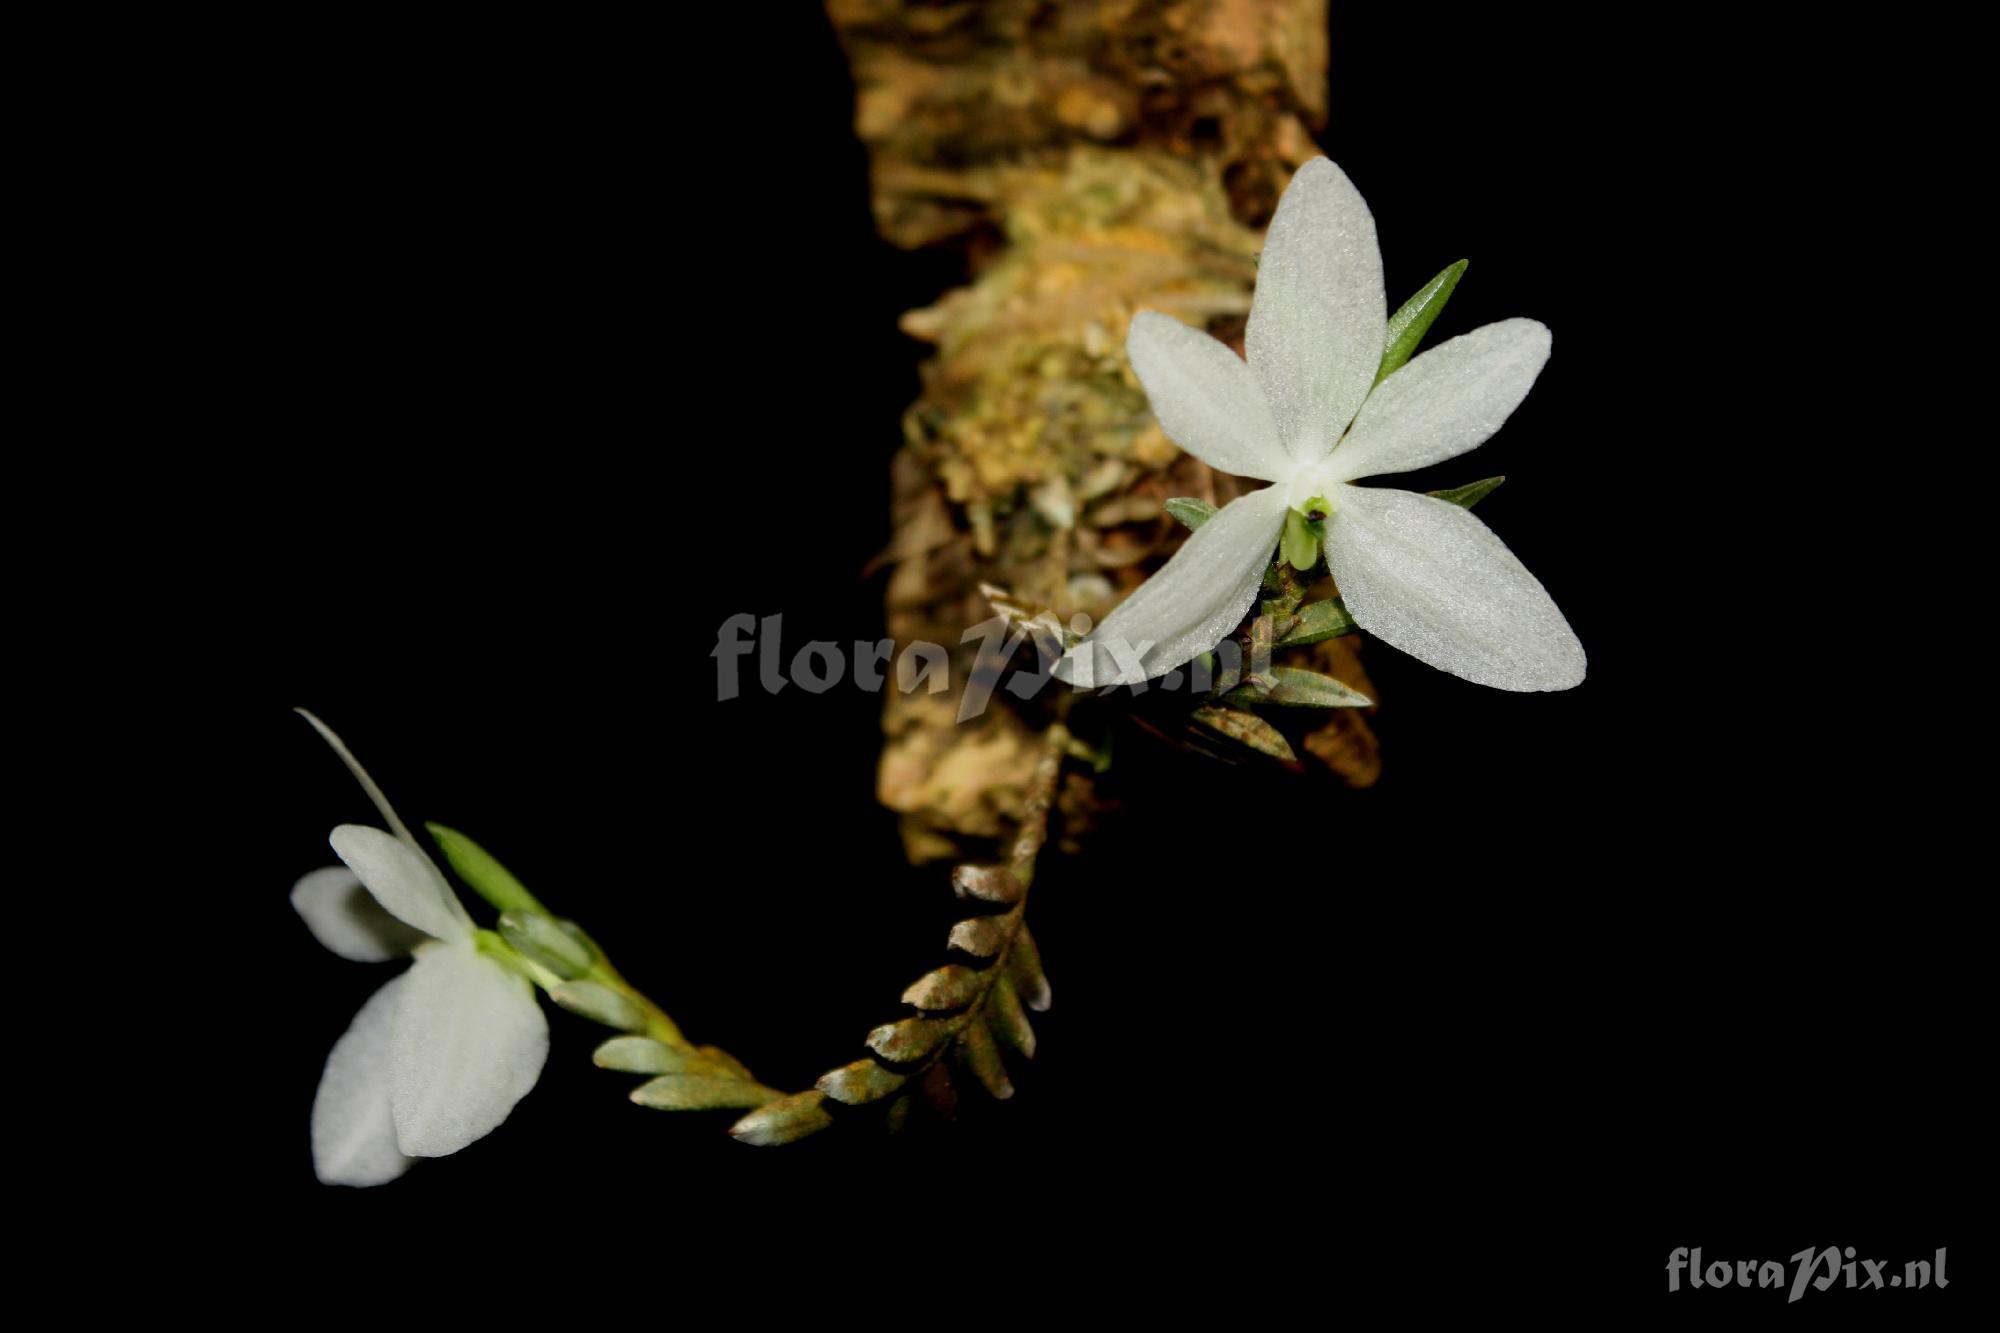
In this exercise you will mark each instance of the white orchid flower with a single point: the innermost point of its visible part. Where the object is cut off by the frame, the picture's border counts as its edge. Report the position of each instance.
(439, 1056)
(1417, 572)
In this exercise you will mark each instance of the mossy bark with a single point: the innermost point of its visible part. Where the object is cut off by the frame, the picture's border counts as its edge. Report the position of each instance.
(1091, 158)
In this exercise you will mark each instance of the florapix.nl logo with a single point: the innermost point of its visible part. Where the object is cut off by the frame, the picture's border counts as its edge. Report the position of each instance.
(749, 650)
(1818, 1269)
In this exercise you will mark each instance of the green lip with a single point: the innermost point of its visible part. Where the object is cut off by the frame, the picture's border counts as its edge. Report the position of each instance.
(1300, 544)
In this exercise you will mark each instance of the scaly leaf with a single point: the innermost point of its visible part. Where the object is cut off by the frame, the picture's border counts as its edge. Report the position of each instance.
(980, 936)
(701, 1092)
(716, 1055)
(599, 1004)
(910, 1040)
(1024, 965)
(976, 1048)
(1008, 1019)
(541, 940)
(987, 884)
(785, 1120)
(950, 987)
(993, 998)
(862, 1082)
(640, 1055)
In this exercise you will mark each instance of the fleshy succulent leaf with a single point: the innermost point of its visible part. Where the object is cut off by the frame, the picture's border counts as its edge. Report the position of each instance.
(701, 1092)
(640, 1055)
(1024, 965)
(599, 1004)
(950, 987)
(980, 936)
(987, 884)
(542, 941)
(861, 1082)
(785, 1120)
(1009, 1018)
(977, 1050)
(911, 1039)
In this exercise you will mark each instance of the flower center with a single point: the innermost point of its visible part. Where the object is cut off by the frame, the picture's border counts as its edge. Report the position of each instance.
(1311, 492)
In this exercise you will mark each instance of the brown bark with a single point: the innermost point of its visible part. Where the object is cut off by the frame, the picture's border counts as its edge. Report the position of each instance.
(1093, 158)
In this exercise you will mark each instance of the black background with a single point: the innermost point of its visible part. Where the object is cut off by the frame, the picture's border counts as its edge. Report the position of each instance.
(534, 337)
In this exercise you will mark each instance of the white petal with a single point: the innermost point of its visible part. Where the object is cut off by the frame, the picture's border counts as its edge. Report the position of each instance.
(1449, 400)
(402, 880)
(353, 1132)
(346, 918)
(1429, 578)
(1206, 398)
(1319, 317)
(1186, 608)
(469, 1043)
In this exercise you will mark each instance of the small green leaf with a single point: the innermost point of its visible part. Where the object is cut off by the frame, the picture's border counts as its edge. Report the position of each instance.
(640, 1055)
(1299, 547)
(950, 987)
(1319, 621)
(700, 1092)
(911, 1039)
(488, 878)
(716, 1055)
(599, 1004)
(1467, 496)
(541, 940)
(862, 1082)
(1191, 512)
(1246, 729)
(785, 1120)
(1293, 688)
(976, 1047)
(1408, 326)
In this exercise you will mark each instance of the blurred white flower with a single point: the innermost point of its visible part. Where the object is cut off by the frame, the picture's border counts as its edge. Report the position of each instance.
(1417, 572)
(438, 1056)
